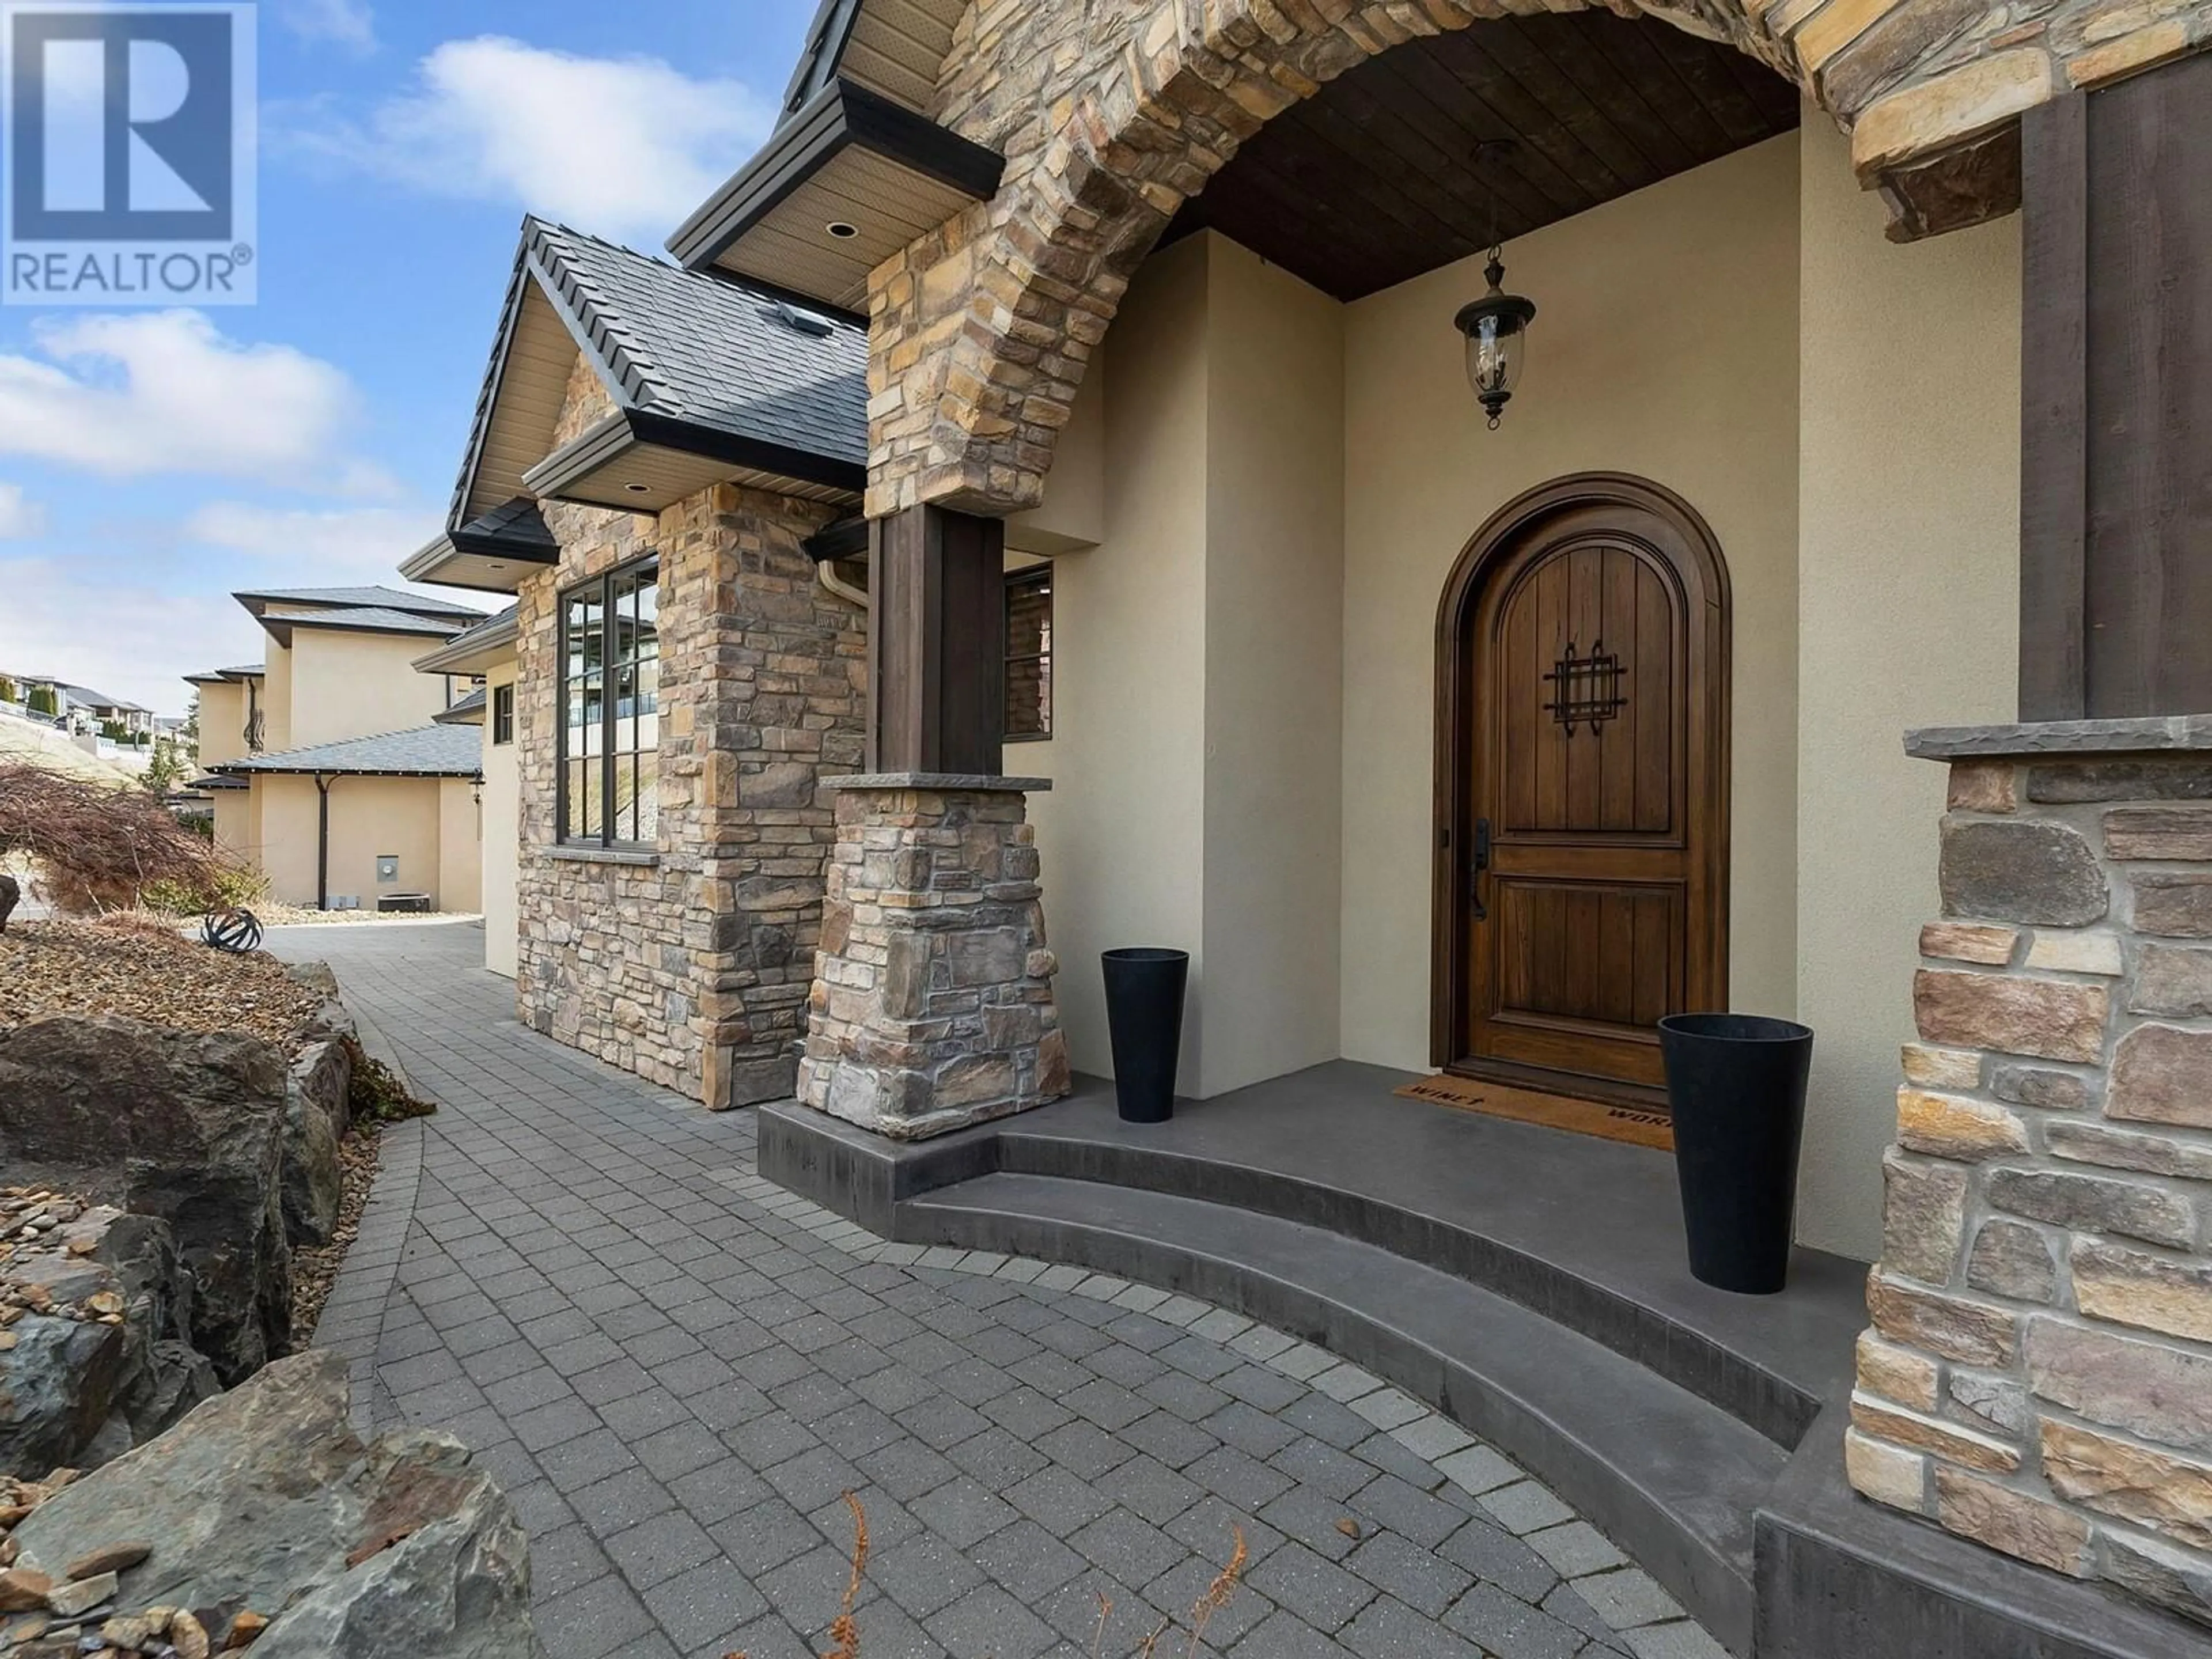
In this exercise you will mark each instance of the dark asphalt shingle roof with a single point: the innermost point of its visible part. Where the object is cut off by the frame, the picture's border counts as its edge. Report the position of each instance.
(711, 350)
(387, 598)
(489, 625)
(445, 751)
(519, 521)
(374, 619)
(468, 711)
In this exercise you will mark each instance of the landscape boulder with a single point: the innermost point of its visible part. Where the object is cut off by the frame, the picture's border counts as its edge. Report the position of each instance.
(317, 1115)
(188, 1127)
(95, 1348)
(263, 1511)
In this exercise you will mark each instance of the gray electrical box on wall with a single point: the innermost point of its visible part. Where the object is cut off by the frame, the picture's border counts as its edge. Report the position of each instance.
(387, 866)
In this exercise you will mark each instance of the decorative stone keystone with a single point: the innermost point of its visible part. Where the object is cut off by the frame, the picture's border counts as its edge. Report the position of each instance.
(2038, 1377)
(933, 1005)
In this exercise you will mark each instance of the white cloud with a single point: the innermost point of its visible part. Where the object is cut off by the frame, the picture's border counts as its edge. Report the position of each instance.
(89, 625)
(623, 147)
(20, 518)
(329, 548)
(347, 23)
(130, 394)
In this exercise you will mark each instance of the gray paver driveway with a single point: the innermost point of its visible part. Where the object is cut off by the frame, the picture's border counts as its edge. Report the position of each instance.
(678, 1370)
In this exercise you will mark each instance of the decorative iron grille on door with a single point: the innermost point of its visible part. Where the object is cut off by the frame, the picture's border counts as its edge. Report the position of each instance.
(1586, 691)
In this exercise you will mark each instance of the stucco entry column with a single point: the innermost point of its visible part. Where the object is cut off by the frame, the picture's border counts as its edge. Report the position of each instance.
(933, 1005)
(2038, 1374)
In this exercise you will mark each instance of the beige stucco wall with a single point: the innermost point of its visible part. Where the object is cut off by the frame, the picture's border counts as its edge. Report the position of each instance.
(223, 723)
(1664, 345)
(1197, 696)
(460, 847)
(1120, 836)
(234, 828)
(1275, 684)
(502, 833)
(355, 685)
(369, 817)
(1909, 504)
(276, 696)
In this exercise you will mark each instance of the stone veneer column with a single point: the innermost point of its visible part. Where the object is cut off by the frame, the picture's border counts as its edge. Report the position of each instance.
(933, 1005)
(2038, 1374)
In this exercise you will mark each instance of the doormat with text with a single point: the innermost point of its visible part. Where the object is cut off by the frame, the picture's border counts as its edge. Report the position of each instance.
(1581, 1117)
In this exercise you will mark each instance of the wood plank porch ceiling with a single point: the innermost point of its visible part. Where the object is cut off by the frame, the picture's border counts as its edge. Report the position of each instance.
(1374, 181)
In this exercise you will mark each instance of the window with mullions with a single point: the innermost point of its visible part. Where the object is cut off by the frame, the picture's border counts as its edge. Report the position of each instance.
(610, 693)
(1028, 654)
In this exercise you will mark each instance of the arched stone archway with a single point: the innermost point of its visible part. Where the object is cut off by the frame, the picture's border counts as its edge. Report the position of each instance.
(1112, 113)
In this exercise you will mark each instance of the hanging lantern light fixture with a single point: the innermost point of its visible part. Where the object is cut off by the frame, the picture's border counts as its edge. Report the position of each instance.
(1497, 324)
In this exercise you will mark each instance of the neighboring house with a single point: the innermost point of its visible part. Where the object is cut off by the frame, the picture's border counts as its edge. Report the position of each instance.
(86, 711)
(329, 774)
(1438, 747)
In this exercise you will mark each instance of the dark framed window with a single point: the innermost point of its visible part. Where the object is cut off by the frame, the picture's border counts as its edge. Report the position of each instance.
(502, 713)
(609, 767)
(1028, 654)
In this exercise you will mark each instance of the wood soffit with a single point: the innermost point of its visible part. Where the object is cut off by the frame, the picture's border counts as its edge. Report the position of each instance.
(1374, 179)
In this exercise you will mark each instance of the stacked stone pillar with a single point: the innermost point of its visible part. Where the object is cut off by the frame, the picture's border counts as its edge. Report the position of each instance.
(933, 1004)
(2038, 1374)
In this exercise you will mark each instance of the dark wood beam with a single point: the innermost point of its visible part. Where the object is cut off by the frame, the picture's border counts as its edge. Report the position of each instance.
(937, 642)
(2116, 557)
(2054, 478)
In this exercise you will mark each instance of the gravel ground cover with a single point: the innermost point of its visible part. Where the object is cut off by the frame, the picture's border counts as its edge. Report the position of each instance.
(144, 973)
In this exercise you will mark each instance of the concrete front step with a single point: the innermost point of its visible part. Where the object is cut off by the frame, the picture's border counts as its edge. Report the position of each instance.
(1672, 1477)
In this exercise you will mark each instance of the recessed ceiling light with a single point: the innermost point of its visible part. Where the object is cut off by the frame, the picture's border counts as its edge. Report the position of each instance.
(841, 229)
(637, 488)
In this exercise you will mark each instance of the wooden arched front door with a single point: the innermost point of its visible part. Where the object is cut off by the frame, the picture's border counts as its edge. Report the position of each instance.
(1581, 888)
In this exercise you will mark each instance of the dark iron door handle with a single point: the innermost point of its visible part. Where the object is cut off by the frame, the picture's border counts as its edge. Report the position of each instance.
(1476, 865)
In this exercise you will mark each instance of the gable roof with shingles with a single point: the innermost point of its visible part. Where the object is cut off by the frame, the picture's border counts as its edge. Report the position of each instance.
(440, 752)
(700, 348)
(713, 350)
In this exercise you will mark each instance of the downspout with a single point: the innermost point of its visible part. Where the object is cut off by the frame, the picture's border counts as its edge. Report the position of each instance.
(826, 574)
(323, 842)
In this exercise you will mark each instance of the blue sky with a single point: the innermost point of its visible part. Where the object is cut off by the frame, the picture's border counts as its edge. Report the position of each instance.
(153, 461)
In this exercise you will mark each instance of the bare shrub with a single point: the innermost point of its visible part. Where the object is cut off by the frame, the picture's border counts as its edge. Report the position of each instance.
(98, 848)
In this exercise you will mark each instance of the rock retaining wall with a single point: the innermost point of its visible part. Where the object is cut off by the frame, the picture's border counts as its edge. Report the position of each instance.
(2038, 1373)
(188, 1127)
(95, 1333)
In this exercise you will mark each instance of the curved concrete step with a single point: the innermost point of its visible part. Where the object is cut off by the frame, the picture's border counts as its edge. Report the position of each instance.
(1674, 1478)
(1504, 1205)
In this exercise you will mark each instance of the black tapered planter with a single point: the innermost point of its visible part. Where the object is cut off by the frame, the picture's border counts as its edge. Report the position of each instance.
(1144, 1016)
(1736, 1083)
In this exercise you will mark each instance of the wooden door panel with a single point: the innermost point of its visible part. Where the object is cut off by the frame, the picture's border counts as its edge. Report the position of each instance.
(1583, 782)
(1602, 954)
(1593, 599)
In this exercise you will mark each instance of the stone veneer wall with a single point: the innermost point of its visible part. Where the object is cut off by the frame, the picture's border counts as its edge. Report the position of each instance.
(693, 969)
(1111, 114)
(933, 1005)
(2038, 1374)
